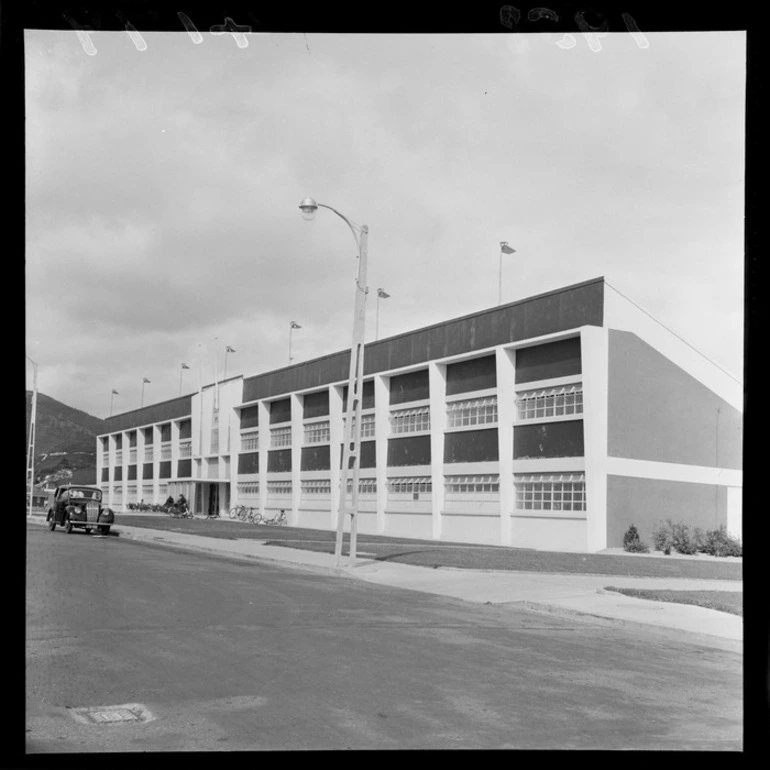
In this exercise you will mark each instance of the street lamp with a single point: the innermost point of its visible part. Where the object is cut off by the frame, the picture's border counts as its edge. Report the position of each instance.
(112, 398)
(144, 381)
(352, 449)
(31, 445)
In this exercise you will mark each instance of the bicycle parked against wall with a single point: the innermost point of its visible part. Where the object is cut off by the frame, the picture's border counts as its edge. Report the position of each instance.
(241, 512)
(276, 521)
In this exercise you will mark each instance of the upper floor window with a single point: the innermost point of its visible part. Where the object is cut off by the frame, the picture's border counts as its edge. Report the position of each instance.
(280, 436)
(410, 420)
(367, 425)
(317, 432)
(550, 402)
(249, 442)
(476, 411)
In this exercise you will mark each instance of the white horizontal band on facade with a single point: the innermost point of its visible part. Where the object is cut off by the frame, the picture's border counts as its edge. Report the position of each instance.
(693, 474)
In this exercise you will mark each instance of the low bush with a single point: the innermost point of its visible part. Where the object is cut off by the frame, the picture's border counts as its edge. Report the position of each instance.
(718, 542)
(676, 536)
(682, 541)
(662, 536)
(633, 543)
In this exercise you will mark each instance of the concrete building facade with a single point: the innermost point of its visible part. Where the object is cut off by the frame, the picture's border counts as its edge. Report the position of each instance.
(554, 422)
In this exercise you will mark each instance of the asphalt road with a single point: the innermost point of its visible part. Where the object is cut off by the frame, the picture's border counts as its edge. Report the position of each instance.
(228, 655)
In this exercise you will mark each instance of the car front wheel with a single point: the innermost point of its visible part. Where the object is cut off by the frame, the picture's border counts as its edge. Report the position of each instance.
(68, 526)
(51, 522)
(104, 530)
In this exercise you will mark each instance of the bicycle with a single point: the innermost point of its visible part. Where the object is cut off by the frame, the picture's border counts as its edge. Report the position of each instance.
(237, 511)
(255, 517)
(278, 520)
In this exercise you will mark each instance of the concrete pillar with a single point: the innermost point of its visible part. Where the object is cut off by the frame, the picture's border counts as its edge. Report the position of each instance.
(381, 433)
(264, 445)
(336, 435)
(506, 415)
(438, 422)
(297, 437)
(595, 365)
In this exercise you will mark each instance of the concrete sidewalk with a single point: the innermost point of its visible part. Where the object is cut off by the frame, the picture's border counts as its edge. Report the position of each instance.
(581, 597)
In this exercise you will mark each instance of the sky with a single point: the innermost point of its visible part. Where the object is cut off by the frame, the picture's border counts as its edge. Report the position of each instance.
(162, 192)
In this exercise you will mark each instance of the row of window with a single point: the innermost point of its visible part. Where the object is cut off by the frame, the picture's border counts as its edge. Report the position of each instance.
(536, 492)
(530, 405)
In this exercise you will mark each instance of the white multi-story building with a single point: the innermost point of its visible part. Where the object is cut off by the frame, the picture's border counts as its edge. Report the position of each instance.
(553, 422)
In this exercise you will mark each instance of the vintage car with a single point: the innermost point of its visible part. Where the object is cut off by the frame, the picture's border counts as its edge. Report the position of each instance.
(78, 506)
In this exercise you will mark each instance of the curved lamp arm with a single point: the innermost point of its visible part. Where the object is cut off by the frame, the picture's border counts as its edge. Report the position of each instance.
(309, 206)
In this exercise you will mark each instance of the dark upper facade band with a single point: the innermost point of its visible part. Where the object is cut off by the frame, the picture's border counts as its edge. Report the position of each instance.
(570, 307)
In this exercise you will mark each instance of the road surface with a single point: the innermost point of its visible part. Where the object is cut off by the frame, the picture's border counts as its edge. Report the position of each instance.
(231, 655)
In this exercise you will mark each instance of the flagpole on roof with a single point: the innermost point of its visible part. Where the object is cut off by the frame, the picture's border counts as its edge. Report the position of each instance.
(182, 368)
(504, 249)
(292, 326)
(228, 349)
(381, 294)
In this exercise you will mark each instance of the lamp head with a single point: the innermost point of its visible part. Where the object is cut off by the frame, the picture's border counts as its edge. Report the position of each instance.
(308, 207)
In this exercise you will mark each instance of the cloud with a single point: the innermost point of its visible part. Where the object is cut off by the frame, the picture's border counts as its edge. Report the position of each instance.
(162, 190)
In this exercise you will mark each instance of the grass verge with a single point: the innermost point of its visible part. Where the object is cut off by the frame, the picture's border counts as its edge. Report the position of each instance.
(427, 553)
(724, 601)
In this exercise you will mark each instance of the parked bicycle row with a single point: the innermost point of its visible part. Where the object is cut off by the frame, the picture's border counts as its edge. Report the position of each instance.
(177, 508)
(254, 516)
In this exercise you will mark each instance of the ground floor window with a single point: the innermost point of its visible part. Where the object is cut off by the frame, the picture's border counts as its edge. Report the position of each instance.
(248, 487)
(131, 493)
(410, 485)
(279, 487)
(316, 487)
(471, 487)
(550, 491)
(365, 486)
(147, 492)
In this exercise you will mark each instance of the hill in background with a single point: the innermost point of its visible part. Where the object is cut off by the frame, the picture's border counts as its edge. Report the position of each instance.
(65, 441)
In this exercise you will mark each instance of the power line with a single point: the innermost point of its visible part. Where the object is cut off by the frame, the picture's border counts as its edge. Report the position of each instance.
(671, 331)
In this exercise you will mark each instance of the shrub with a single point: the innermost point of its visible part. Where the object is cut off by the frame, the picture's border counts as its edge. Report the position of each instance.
(662, 536)
(718, 542)
(632, 541)
(681, 539)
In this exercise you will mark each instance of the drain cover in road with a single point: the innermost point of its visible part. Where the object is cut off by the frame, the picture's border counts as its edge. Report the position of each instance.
(128, 713)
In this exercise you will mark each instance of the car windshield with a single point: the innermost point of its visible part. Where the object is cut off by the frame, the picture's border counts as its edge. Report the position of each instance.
(85, 494)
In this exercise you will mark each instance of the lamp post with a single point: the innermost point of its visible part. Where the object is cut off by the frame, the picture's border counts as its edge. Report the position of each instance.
(112, 398)
(144, 381)
(352, 450)
(31, 445)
